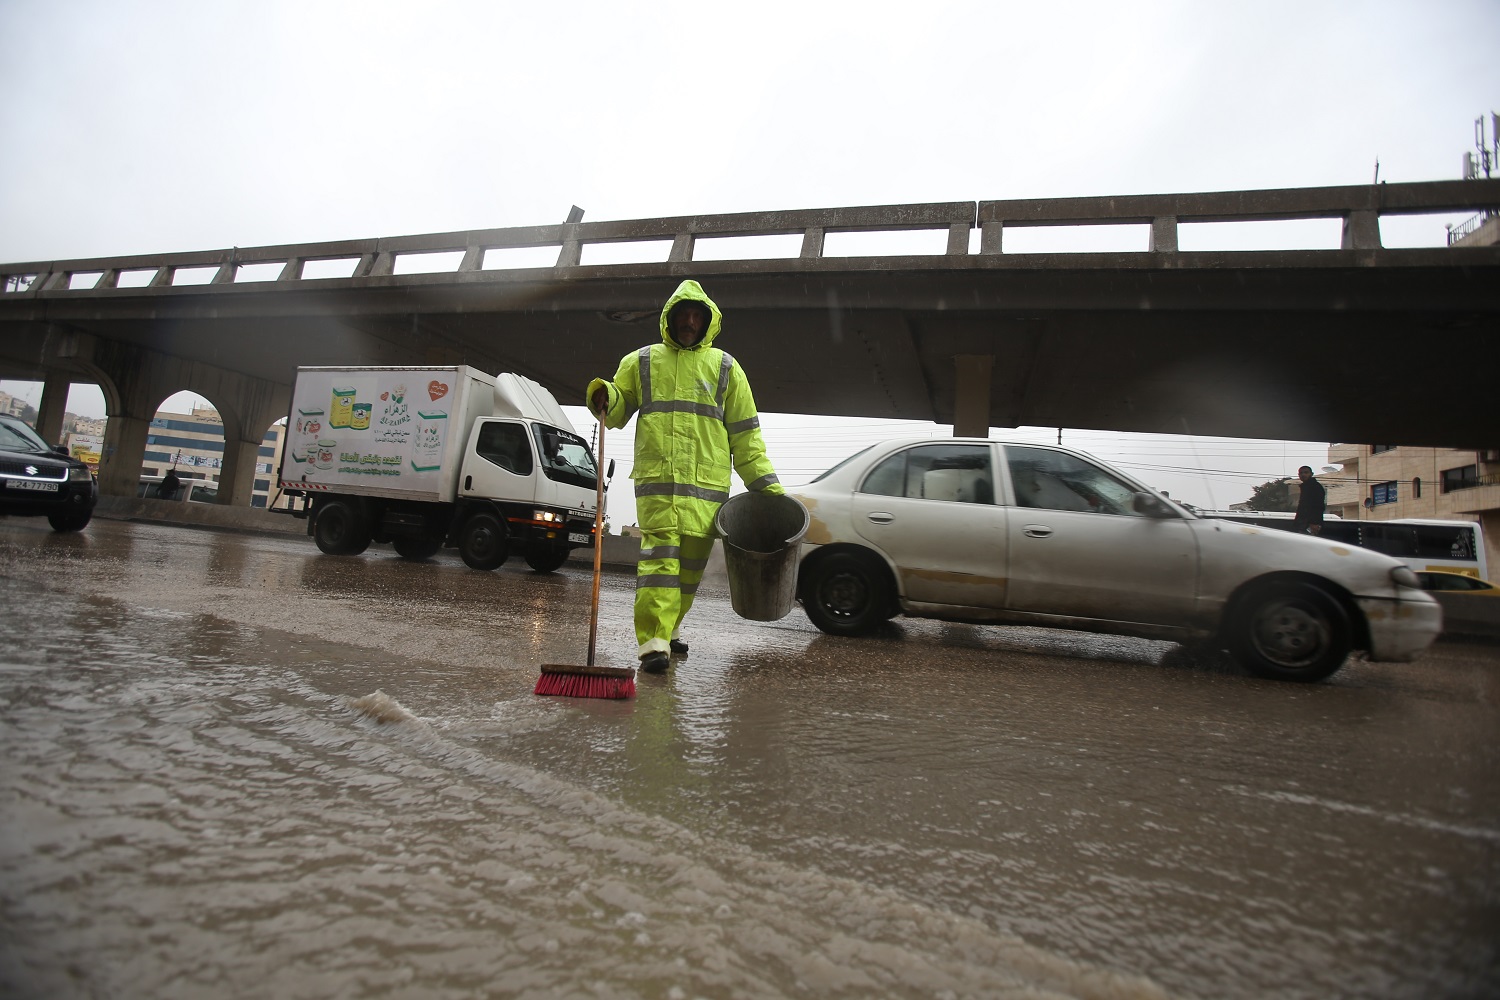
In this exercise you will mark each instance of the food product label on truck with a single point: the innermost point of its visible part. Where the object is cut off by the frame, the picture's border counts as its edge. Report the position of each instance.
(385, 429)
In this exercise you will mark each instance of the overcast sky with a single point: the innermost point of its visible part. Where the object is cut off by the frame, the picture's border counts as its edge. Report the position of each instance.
(142, 127)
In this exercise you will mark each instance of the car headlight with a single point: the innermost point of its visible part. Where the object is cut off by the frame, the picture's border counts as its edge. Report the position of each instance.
(79, 474)
(1403, 576)
(547, 515)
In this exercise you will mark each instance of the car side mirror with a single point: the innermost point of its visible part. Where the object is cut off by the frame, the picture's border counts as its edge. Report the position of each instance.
(1151, 505)
(61, 449)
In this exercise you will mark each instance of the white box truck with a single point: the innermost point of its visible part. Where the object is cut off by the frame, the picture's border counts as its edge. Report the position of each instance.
(430, 457)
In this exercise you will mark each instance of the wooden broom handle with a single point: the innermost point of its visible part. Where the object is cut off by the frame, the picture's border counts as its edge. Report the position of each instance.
(598, 542)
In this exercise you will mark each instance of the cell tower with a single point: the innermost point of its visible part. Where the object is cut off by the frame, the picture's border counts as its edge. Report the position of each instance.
(1484, 158)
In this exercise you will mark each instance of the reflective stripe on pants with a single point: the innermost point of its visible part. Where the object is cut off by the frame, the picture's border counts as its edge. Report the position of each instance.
(666, 580)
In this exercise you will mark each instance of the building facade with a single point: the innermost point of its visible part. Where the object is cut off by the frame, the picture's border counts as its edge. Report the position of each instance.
(193, 444)
(1382, 482)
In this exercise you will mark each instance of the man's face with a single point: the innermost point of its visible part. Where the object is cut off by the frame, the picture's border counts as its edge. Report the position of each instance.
(1304, 474)
(689, 324)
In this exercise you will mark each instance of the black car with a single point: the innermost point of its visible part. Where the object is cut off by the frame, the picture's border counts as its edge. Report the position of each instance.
(36, 478)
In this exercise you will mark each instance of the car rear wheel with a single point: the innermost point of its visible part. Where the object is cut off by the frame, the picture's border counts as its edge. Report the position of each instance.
(416, 549)
(341, 529)
(481, 543)
(846, 594)
(1290, 632)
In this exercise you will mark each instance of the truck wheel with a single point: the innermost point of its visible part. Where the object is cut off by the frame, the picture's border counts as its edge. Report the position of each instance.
(481, 543)
(340, 529)
(416, 549)
(546, 560)
(1290, 632)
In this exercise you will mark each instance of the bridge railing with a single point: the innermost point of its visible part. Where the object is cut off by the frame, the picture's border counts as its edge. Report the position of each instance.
(1359, 208)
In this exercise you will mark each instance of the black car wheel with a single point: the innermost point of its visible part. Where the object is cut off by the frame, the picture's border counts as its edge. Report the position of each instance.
(481, 543)
(70, 522)
(1291, 632)
(846, 594)
(340, 529)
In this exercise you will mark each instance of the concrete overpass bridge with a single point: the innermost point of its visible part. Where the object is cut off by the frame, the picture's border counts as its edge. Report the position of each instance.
(1354, 343)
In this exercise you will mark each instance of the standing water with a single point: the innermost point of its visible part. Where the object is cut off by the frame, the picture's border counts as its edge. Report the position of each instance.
(236, 767)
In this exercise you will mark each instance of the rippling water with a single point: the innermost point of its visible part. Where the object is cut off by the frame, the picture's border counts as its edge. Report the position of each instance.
(234, 767)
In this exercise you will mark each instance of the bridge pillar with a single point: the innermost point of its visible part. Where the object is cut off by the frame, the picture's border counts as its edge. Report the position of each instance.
(49, 412)
(971, 394)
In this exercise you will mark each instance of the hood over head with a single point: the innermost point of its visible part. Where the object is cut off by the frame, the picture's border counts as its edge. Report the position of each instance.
(691, 291)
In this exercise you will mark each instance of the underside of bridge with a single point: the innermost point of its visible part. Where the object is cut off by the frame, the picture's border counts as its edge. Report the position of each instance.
(1287, 344)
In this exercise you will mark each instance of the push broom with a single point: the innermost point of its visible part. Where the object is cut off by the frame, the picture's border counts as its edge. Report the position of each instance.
(589, 681)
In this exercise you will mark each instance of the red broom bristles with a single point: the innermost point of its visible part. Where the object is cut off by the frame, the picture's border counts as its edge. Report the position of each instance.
(580, 685)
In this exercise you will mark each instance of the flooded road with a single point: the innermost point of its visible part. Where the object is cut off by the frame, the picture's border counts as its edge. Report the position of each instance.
(233, 766)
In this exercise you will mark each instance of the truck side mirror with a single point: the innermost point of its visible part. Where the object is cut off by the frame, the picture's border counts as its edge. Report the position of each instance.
(609, 470)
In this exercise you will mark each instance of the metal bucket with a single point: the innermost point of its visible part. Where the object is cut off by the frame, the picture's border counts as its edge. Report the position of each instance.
(762, 533)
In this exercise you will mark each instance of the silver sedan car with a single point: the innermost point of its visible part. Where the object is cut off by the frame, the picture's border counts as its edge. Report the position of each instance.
(995, 532)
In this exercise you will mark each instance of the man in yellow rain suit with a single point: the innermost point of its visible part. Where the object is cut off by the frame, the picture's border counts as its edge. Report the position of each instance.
(697, 417)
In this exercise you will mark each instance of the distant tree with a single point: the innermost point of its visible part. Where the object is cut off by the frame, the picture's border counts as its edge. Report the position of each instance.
(1275, 495)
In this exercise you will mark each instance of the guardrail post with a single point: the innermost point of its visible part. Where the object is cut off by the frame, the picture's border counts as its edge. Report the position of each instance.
(958, 239)
(571, 254)
(473, 257)
(57, 279)
(1361, 231)
(292, 271)
(812, 243)
(990, 235)
(1163, 234)
(682, 249)
(383, 264)
(163, 276)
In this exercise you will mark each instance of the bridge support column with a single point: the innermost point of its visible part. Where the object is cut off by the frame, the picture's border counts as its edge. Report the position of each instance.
(49, 412)
(971, 394)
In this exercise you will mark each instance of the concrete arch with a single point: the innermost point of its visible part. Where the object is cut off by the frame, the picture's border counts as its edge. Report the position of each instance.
(136, 380)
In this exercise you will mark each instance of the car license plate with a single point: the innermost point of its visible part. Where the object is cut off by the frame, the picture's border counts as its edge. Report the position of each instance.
(32, 484)
(578, 536)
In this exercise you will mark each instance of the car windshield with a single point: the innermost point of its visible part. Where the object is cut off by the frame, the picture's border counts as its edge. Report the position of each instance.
(16, 436)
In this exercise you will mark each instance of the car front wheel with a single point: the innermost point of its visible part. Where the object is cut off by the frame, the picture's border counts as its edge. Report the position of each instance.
(69, 522)
(1290, 632)
(846, 594)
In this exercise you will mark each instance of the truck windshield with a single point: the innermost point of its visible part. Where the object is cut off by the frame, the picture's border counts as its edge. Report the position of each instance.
(565, 456)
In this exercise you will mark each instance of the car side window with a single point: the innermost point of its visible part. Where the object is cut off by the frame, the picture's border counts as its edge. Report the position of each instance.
(506, 445)
(1053, 480)
(953, 473)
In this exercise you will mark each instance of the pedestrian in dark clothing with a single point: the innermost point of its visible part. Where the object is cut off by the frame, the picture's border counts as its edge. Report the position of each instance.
(1309, 519)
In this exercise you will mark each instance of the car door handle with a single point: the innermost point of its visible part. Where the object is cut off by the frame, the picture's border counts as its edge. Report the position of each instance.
(1036, 531)
(881, 517)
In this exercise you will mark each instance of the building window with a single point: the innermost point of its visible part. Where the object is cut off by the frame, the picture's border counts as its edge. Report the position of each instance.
(1461, 478)
(1383, 493)
(1416, 488)
(1376, 449)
